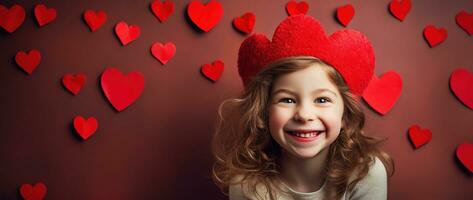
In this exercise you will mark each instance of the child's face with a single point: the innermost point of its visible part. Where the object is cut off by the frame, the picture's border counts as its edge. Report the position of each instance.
(314, 104)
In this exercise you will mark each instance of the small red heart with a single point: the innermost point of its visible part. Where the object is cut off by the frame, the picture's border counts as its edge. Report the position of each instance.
(213, 71)
(74, 82)
(418, 136)
(122, 90)
(206, 16)
(95, 19)
(434, 36)
(44, 15)
(465, 21)
(84, 127)
(28, 62)
(162, 10)
(245, 23)
(461, 83)
(345, 14)
(11, 19)
(400, 8)
(126, 33)
(465, 155)
(36, 192)
(382, 93)
(163, 53)
(294, 8)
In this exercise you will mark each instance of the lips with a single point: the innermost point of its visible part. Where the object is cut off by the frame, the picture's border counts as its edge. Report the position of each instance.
(304, 133)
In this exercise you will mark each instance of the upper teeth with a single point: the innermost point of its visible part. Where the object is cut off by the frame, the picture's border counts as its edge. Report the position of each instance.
(311, 134)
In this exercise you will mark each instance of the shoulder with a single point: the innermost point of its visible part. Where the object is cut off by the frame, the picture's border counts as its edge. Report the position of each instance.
(241, 189)
(373, 185)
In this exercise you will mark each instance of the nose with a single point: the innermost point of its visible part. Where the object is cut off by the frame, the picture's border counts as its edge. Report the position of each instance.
(304, 113)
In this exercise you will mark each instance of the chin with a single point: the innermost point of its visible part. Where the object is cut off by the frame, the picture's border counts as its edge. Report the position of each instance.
(306, 153)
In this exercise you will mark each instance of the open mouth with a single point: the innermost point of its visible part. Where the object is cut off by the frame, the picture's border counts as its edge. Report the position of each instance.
(305, 137)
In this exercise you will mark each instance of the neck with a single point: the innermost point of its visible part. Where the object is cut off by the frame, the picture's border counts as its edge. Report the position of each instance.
(303, 175)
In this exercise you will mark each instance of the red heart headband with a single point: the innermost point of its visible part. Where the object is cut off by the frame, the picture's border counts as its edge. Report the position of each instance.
(348, 51)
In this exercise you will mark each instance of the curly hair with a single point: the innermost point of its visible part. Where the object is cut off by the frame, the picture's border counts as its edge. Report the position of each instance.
(243, 146)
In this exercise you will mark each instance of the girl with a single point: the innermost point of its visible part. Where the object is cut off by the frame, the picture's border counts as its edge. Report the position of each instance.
(296, 131)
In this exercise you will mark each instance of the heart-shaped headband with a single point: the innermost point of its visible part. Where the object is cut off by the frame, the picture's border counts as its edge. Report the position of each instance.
(348, 51)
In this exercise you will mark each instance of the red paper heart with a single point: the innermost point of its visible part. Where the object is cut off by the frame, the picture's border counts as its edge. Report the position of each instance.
(345, 14)
(400, 8)
(122, 90)
(44, 15)
(205, 16)
(74, 82)
(28, 62)
(245, 23)
(213, 71)
(465, 155)
(36, 192)
(95, 19)
(461, 83)
(163, 53)
(465, 21)
(126, 33)
(84, 127)
(382, 93)
(418, 136)
(294, 8)
(162, 10)
(11, 19)
(434, 36)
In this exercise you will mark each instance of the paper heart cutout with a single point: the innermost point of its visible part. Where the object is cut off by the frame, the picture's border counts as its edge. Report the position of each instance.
(126, 33)
(95, 19)
(122, 90)
(434, 36)
(11, 19)
(162, 10)
(345, 14)
(206, 16)
(213, 71)
(85, 128)
(465, 21)
(44, 15)
(245, 23)
(74, 82)
(418, 136)
(36, 192)
(294, 8)
(461, 83)
(163, 53)
(28, 62)
(400, 8)
(465, 155)
(382, 93)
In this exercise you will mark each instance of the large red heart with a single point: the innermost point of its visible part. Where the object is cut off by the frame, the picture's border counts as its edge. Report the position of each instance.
(465, 155)
(162, 10)
(95, 19)
(163, 53)
(213, 71)
(126, 33)
(245, 23)
(400, 8)
(461, 83)
(345, 14)
(28, 62)
(74, 82)
(122, 90)
(382, 93)
(418, 136)
(36, 192)
(205, 16)
(84, 127)
(434, 36)
(11, 19)
(44, 15)
(465, 21)
(294, 8)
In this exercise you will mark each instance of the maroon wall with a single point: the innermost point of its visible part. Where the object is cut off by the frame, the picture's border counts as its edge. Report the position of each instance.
(158, 148)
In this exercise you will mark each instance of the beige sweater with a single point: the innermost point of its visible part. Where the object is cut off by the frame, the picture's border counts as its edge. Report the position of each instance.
(372, 187)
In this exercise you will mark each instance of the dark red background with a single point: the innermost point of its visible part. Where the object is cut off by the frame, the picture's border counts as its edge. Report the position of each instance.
(159, 148)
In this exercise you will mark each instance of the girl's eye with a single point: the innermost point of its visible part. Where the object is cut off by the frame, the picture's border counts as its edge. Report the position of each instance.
(323, 99)
(286, 100)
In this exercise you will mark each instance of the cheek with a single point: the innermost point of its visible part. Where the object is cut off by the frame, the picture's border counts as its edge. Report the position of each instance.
(277, 119)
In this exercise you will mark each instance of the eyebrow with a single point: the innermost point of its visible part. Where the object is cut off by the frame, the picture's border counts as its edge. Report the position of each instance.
(293, 93)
